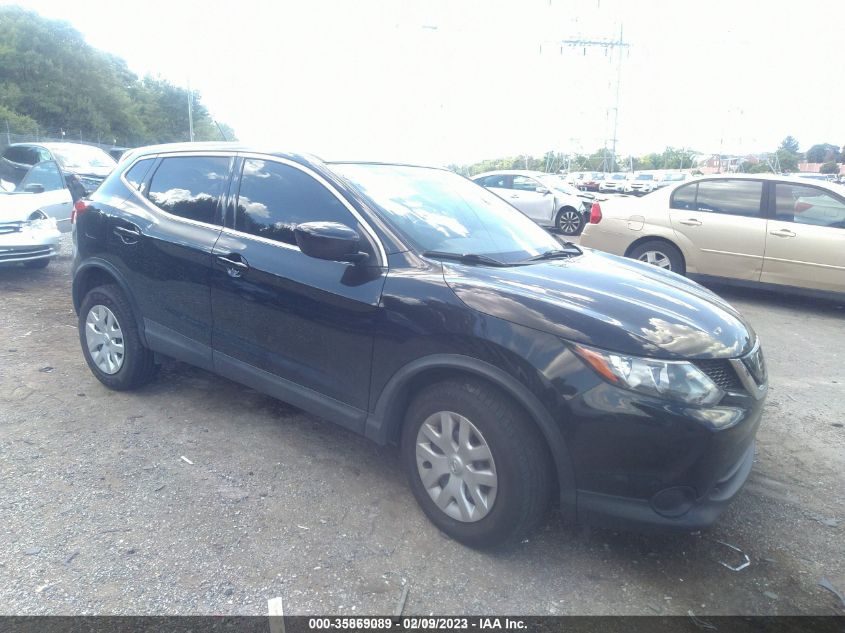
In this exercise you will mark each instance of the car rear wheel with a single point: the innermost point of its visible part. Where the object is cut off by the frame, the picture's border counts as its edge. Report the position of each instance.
(477, 466)
(569, 221)
(110, 341)
(661, 254)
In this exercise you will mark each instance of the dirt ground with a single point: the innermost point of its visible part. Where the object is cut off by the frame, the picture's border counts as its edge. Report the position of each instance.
(101, 511)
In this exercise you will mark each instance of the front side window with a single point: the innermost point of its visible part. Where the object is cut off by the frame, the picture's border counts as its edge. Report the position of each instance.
(524, 183)
(437, 210)
(274, 198)
(46, 174)
(190, 186)
(808, 205)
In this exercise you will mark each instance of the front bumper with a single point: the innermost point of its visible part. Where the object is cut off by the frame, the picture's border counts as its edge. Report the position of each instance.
(612, 511)
(29, 245)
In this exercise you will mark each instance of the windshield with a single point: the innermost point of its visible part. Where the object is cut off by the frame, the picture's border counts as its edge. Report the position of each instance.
(645, 177)
(438, 210)
(617, 177)
(83, 157)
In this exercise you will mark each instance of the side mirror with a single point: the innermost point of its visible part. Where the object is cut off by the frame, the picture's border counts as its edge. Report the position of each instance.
(542, 190)
(34, 188)
(329, 240)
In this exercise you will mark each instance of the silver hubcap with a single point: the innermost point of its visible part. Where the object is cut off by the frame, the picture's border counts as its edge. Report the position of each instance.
(104, 339)
(568, 222)
(656, 258)
(456, 466)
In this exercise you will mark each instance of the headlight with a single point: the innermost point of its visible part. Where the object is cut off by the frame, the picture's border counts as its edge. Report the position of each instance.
(675, 380)
(43, 223)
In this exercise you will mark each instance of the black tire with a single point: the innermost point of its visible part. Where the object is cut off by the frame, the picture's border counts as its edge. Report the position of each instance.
(522, 460)
(38, 263)
(138, 365)
(663, 248)
(565, 218)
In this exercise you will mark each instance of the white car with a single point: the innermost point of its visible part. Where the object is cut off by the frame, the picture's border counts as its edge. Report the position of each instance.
(613, 182)
(671, 178)
(26, 236)
(745, 229)
(641, 184)
(44, 190)
(545, 198)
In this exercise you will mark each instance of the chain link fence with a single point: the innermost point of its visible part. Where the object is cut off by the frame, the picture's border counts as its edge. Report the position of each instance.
(8, 136)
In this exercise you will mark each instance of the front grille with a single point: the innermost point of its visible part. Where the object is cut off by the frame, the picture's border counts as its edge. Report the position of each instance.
(14, 254)
(720, 372)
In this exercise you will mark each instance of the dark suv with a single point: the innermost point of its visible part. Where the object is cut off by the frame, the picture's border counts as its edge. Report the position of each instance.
(413, 306)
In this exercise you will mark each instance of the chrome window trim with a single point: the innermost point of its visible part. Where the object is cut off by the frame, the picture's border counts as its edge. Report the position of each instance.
(263, 240)
(284, 161)
(156, 209)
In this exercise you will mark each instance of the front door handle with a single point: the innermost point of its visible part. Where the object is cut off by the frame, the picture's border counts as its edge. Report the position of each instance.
(691, 222)
(235, 267)
(128, 235)
(782, 233)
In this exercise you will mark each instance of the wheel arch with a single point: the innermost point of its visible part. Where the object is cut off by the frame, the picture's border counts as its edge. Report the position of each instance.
(654, 238)
(384, 424)
(100, 273)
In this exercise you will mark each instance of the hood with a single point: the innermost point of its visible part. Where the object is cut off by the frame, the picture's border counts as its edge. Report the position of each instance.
(608, 302)
(17, 205)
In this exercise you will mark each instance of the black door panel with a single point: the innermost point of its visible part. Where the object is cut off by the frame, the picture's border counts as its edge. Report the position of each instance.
(305, 320)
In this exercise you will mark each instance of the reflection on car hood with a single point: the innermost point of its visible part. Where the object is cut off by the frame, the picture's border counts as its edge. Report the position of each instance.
(609, 302)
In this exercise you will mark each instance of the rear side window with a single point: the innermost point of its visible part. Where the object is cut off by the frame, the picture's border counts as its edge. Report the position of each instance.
(274, 198)
(136, 174)
(190, 186)
(500, 181)
(808, 205)
(21, 154)
(728, 197)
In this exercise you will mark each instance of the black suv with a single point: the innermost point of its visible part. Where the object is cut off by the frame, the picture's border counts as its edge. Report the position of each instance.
(415, 307)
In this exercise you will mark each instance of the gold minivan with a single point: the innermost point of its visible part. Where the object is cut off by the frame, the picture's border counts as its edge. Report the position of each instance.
(783, 232)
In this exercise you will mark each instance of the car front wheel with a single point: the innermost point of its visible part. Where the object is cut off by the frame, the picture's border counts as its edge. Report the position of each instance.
(569, 221)
(478, 467)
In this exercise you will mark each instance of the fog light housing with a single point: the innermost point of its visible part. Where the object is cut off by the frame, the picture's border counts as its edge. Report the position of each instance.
(673, 502)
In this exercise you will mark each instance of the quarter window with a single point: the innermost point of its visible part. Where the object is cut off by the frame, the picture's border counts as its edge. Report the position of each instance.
(808, 205)
(190, 186)
(136, 174)
(728, 197)
(274, 198)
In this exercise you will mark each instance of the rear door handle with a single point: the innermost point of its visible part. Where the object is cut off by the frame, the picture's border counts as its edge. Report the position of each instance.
(128, 235)
(235, 267)
(691, 222)
(782, 233)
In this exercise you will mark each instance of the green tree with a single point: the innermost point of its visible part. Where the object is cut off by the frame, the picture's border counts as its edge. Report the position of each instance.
(790, 144)
(822, 152)
(830, 167)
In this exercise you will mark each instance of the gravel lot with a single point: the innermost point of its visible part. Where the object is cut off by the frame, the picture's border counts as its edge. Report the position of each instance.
(100, 513)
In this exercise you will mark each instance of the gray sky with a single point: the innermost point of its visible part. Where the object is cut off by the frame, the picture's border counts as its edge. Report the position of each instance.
(441, 81)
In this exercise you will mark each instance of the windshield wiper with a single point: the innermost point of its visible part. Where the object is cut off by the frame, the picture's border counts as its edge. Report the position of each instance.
(557, 253)
(466, 258)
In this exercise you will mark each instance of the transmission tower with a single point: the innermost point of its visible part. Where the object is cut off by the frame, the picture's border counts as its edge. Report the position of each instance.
(607, 45)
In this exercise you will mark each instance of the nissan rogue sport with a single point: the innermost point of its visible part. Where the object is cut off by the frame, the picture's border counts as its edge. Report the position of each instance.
(414, 307)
